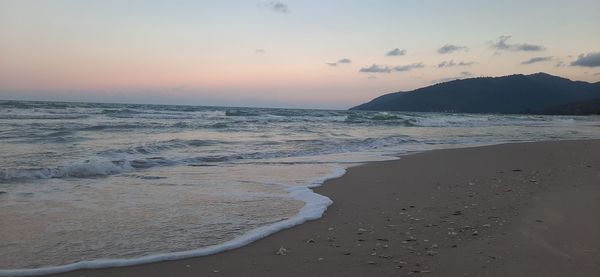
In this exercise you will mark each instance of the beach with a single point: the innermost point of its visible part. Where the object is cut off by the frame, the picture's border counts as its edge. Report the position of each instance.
(299, 138)
(522, 209)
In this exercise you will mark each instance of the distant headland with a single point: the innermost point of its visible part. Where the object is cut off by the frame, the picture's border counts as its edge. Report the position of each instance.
(538, 93)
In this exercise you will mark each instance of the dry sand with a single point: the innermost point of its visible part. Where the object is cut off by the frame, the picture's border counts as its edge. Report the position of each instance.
(527, 209)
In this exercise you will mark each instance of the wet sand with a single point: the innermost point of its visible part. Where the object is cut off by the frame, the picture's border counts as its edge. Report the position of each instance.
(526, 209)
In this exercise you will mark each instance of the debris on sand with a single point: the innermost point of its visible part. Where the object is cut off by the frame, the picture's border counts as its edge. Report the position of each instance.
(281, 251)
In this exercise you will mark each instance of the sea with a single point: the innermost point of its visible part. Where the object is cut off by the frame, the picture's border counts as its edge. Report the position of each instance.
(87, 185)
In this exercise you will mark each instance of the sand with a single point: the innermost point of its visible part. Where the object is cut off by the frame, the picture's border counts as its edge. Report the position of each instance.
(525, 209)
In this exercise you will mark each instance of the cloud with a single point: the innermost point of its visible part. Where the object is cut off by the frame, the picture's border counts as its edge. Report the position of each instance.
(408, 67)
(341, 61)
(596, 74)
(461, 75)
(447, 64)
(375, 68)
(587, 60)
(276, 6)
(537, 60)
(396, 52)
(451, 63)
(501, 44)
(371, 77)
(449, 48)
(259, 51)
(560, 64)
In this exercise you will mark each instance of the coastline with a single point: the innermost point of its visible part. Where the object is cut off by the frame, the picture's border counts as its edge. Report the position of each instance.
(453, 211)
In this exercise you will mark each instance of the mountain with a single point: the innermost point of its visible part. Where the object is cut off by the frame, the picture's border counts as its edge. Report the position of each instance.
(538, 93)
(578, 108)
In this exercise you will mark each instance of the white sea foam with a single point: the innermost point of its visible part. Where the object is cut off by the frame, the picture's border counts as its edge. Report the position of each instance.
(314, 207)
(90, 168)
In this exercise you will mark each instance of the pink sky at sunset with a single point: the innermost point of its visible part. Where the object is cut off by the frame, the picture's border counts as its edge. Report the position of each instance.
(247, 53)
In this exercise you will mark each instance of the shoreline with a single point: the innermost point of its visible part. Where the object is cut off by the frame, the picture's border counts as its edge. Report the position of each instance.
(302, 240)
(314, 208)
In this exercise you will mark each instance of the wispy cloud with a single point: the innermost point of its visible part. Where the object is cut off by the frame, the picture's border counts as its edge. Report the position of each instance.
(276, 6)
(537, 60)
(396, 52)
(501, 44)
(408, 67)
(560, 64)
(449, 48)
(461, 75)
(375, 68)
(587, 60)
(259, 51)
(451, 63)
(341, 61)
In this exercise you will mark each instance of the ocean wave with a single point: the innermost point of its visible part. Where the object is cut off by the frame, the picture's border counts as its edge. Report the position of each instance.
(101, 167)
(120, 111)
(462, 120)
(151, 162)
(241, 113)
(86, 169)
(34, 104)
(160, 114)
(42, 116)
(447, 120)
(152, 116)
(433, 120)
(40, 136)
(116, 126)
(159, 146)
(283, 113)
(145, 157)
(63, 136)
(306, 148)
(382, 118)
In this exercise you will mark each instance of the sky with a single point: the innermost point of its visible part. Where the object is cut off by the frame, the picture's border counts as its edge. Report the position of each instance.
(290, 53)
